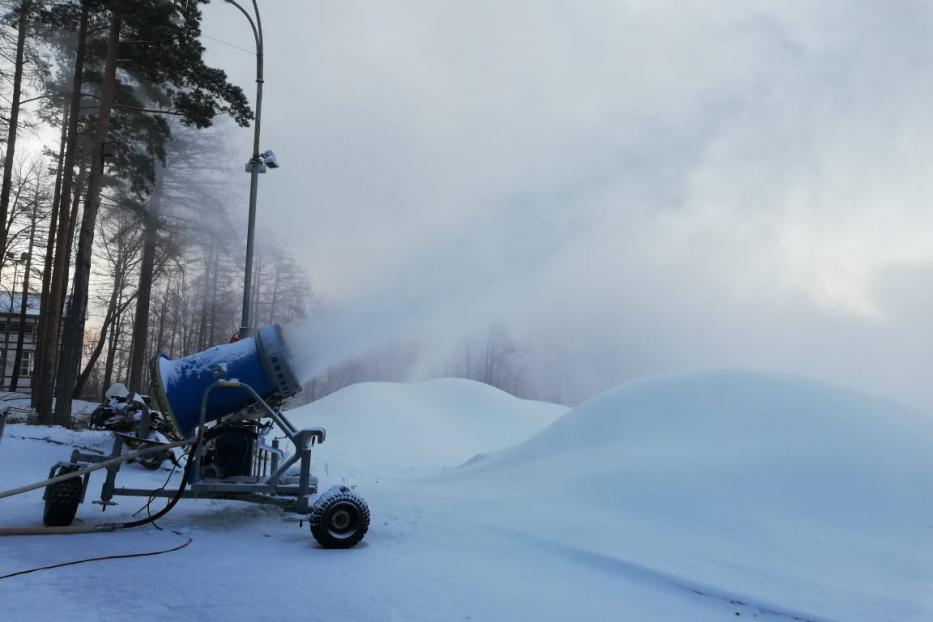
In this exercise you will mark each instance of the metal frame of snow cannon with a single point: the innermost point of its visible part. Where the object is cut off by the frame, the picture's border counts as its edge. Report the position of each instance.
(303, 440)
(259, 487)
(338, 518)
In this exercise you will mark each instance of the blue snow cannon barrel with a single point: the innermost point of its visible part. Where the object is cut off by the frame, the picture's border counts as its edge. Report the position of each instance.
(263, 362)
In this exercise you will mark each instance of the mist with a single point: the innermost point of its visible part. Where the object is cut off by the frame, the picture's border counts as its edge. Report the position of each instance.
(629, 187)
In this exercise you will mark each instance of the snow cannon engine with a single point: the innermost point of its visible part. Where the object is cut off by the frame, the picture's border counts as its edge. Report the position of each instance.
(261, 362)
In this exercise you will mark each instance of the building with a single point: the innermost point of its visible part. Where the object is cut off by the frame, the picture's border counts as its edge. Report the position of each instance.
(9, 333)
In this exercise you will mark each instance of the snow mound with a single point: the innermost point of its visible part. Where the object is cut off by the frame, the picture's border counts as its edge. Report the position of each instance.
(779, 487)
(380, 427)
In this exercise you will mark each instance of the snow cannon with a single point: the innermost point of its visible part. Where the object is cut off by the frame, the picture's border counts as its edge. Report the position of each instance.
(262, 362)
(239, 388)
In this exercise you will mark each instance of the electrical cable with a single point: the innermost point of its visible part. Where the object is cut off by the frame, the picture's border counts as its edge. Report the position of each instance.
(75, 562)
(228, 44)
(192, 453)
(151, 518)
(159, 489)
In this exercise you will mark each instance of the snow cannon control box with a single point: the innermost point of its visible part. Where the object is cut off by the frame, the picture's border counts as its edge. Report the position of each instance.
(263, 362)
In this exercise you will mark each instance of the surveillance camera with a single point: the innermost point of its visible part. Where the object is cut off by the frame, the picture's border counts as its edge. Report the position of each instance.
(270, 160)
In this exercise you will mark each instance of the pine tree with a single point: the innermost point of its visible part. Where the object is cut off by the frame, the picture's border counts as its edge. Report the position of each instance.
(166, 57)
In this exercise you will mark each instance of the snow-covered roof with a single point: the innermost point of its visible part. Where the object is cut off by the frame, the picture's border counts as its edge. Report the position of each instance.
(32, 303)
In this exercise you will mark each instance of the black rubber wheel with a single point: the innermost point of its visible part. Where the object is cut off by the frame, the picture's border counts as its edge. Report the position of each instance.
(339, 518)
(98, 417)
(154, 461)
(62, 500)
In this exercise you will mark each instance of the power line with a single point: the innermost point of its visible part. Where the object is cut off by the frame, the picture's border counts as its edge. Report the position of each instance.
(228, 44)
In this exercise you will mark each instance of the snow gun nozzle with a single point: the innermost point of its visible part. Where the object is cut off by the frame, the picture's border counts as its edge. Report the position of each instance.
(263, 362)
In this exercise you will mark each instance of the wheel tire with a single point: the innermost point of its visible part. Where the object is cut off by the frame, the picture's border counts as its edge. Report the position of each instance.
(339, 518)
(153, 462)
(62, 500)
(97, 417)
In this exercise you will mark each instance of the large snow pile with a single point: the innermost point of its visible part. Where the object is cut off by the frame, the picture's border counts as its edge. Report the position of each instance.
(779, 488)
(706, 496)
(378, 427)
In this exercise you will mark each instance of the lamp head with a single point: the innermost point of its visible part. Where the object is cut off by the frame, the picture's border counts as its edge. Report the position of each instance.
(269, 159)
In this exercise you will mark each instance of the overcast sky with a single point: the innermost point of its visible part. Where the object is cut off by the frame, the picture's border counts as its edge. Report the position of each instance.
(631, 186)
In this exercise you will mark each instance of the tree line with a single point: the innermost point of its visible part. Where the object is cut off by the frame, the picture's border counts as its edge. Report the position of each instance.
(121, 227)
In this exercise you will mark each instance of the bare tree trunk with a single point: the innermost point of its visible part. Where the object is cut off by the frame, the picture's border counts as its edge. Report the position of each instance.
(69, 235)
(122, 358)
(214, 292)
(144, 291)
(14, 121)
(46, 352)
(109, 320)
(49, 256)
(171, 349)
(115, 307)
(205, 294)
(273, 304)
(79, 187)
(111, 352)
(185, 332)
(73, 336)
(95, 353)
(24, 303)
(160, 336)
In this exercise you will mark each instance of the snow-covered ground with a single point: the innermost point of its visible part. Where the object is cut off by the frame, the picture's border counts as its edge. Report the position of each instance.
(704, 496)
(19, 406)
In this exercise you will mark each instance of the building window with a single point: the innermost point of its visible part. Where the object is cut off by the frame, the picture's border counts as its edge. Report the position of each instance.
(26, 364)
(29, 329)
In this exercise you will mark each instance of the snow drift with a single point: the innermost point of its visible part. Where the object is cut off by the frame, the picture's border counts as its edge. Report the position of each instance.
(375, 428)
(702, 496)
(776, 487)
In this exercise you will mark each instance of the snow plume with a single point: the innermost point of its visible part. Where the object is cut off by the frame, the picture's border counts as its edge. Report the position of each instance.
(630, 187)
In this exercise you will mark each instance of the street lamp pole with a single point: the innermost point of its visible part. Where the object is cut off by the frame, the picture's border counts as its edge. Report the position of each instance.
(254, 166)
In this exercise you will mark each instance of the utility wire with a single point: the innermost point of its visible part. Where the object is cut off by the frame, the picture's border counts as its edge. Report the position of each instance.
(228, 44)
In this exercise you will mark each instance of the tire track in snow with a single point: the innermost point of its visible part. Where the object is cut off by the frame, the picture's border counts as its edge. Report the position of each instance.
(657, 578)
